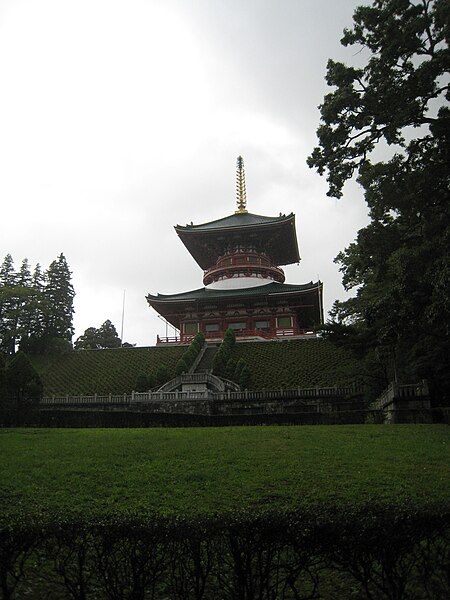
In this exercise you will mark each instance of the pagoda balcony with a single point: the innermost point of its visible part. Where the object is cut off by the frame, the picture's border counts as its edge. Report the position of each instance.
(266, 334)
(243, 264)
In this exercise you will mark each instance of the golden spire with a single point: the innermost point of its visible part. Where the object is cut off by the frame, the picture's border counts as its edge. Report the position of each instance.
(241, 193)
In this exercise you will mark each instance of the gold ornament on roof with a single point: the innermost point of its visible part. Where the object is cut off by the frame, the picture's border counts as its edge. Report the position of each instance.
(241, 192)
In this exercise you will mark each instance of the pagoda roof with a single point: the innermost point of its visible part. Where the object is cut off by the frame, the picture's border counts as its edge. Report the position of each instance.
(235, 220)
(269, 289)
(206, 241)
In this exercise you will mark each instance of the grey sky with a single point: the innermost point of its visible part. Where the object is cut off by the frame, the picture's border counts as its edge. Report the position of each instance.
(120, 119)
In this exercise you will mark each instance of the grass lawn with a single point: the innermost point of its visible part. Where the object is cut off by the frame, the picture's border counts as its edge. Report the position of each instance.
(204, 470)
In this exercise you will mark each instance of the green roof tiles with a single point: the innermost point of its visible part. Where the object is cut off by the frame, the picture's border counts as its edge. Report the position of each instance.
(210, 294)
(236, 220)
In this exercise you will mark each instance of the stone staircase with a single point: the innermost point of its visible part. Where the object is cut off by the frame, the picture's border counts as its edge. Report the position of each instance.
(205, 364)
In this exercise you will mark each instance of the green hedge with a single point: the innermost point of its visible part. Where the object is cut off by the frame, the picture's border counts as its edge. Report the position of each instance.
(372, 551)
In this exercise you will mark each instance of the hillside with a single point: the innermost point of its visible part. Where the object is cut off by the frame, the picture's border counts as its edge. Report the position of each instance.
(296, 363)
(103, 371)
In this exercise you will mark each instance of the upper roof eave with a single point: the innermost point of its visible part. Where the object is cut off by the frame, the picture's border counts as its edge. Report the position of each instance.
(235, 221)
(271, 289)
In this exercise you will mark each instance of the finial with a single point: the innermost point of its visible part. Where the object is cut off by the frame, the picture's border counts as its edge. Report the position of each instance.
(241, 193)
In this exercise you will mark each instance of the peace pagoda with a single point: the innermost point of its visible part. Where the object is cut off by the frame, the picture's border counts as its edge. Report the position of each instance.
(244, 285)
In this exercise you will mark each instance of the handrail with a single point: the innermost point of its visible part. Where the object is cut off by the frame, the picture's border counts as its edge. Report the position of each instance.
(228, 396)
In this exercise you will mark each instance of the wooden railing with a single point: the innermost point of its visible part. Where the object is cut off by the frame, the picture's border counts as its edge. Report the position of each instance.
(267, 334)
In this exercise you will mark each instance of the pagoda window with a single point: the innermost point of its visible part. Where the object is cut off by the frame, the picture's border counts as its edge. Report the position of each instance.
(190, 328)
(262, 325)
(239, 325)
(209, 327)
(283, 322)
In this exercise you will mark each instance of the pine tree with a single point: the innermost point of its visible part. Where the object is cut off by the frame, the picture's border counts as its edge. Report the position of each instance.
(8, 279)
(2, 380)
(107, 336)
(59, 295)
(22, 294)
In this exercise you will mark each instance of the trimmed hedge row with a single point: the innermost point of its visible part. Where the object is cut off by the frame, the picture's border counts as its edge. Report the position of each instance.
(370, 551)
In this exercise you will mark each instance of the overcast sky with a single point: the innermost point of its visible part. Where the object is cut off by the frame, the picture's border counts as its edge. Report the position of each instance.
(120, 119)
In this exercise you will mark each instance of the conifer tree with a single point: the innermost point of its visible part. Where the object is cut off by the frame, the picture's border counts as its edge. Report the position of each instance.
(7, 303)
(59, 295)
(107, 336)
(37, 303)
(2, 380)
(21, 294)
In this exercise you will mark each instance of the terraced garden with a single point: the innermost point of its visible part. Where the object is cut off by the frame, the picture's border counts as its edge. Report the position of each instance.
(296, 363)
(104, 371)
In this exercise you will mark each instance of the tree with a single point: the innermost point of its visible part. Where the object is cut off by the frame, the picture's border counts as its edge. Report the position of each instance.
(8, 280)
(23, 384)
(107, 336)
(88, 341)
(31, 319)
(59, 294)
(398, 264)
(94, 339)
(2, 379)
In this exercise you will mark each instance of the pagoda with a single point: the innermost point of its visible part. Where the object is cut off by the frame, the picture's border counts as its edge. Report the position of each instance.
(244, 285)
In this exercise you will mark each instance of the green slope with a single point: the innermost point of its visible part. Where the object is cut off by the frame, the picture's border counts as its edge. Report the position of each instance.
(296, 363)
(103, 371)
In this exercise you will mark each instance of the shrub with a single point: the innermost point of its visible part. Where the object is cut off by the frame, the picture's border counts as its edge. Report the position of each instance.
(162, 375)
(181, 367)
(230, 337)
(151, 381)
(366, 554)
(200, 338)
(230, 369)
(23, 384)
(244, 377)
(239, 366)
(142, 383)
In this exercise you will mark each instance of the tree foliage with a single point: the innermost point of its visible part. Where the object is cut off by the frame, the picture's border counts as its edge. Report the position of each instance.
(104, 337)
(36, 310)
(23, 384)
(399, 264)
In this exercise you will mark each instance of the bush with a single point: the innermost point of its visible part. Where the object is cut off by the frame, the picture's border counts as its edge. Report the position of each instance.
(162, 375)
(363, 553)
(230, 369)
(244, 377)
(151, 381)
(23, 384)
(181, 367)
(142, 383)
(200, 338)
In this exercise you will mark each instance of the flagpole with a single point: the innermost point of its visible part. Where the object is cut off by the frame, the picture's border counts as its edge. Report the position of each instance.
(123, 317)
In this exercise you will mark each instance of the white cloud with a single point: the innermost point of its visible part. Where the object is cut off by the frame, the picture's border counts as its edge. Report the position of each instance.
(120, 119)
